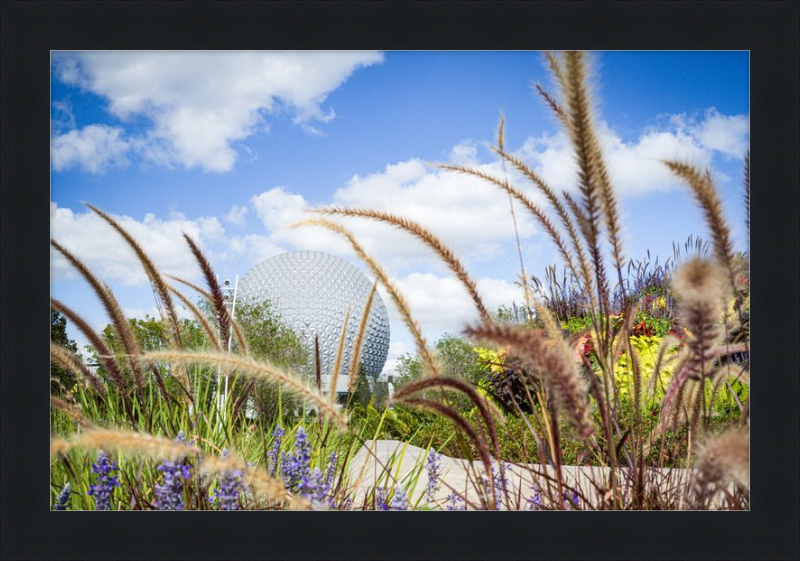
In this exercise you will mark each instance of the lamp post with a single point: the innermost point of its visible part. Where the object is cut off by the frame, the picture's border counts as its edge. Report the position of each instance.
(229, 294)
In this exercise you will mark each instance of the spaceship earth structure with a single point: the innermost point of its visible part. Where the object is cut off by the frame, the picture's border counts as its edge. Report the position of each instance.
(312, 291)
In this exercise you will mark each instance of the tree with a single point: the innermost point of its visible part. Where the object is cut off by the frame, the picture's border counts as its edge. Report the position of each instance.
(151, 335)
(271, 339)
(457, 358)
(58, 335)
(362, 391)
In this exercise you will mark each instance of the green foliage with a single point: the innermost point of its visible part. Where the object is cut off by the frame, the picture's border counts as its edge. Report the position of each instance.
(457, 357)
(646, 347)
(362, 395)
(408, 368)
(58, 335)
(271, 339)
(577, 324)
(517, 315)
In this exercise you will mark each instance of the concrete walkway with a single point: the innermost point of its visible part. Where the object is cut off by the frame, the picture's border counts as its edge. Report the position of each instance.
(406, 462)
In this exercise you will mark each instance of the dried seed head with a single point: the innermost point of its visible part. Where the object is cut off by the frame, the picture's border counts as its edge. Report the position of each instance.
(727, 455)
(700, 280)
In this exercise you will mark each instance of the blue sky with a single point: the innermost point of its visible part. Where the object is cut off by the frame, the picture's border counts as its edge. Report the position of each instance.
(233, 147)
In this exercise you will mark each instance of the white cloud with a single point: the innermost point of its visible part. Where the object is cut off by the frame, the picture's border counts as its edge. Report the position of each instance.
(254, 248)
(63, 117)
(635, 167)
(442, 304)
(236, 215)
(727, 134)
(278, 208)
(468, 214)
(94, 149)
(93, 240)
(464, 153)
(396, 350)
(200, 103)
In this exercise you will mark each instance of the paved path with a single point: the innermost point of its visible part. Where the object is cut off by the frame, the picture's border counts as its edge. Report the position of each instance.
(407, 462)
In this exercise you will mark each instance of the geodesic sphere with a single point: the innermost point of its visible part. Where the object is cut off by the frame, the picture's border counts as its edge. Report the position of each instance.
(311, 291)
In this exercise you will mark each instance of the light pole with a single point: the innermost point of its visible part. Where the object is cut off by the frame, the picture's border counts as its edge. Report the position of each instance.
(229, 299)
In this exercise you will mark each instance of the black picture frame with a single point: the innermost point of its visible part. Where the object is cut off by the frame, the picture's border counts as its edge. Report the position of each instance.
(29, 30)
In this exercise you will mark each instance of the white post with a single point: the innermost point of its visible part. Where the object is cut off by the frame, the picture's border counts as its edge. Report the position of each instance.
(230, 334)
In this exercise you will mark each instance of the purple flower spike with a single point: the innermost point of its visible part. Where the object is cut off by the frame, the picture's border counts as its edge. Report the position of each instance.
(228, 488)
(455, 502)
(63, 498)
(400, 499)
(535, 500)
(297, 467)
(275, 450)
(571, 500)
(169, 494)
(434, 470)
(380, 499)
(106, 481)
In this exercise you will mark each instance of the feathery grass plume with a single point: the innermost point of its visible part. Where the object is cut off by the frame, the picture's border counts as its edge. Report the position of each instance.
(581, 135)
(355, 357)
(103, 352)
(337, 363)
(72, 410)
(161, 290)
(558, 370)
(317, 363)
(523, 276)
(553, 330)
(121, 325)
(391, 288)
(449, 412)
(59, 446)
(238, 333)
(426, 236)
(636, 371)
(202, 291)
(152, 273)
(556, 69)
(553, 104)
(218, 300)
(664, 347)
(124, 441)
(566, 222)
(200, 317)
(747, 193)
(727, 455)
(575, 208)
(580, 99)
(707, 197)
(254, 369)
(66, 359)
(501, 128)
(463, 387)
(700, 287)
(540, 216)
